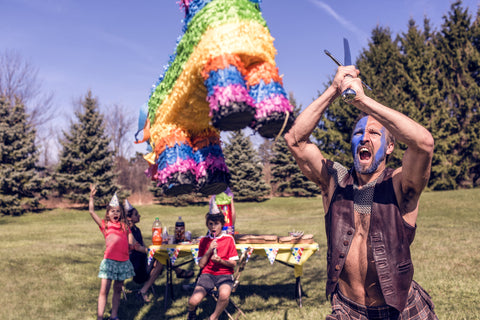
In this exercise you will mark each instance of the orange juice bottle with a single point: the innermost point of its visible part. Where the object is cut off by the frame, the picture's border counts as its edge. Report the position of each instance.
(157, 232)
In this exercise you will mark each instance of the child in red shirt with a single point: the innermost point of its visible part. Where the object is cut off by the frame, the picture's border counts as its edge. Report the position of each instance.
(217, 259)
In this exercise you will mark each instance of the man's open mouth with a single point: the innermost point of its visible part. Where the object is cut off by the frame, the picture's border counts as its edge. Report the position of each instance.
(364, 153)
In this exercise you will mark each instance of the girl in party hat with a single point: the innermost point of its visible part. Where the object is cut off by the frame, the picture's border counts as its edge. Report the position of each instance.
(115, 265)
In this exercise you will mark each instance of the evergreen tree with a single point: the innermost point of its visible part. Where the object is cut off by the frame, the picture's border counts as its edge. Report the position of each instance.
(476, 39)
(421, 85)
(475, 34)
(265, 152)
(245, 167)
(86, 157)
(21, 184)
(288, 179)
(432, 77)
(458, 65)
(266, 149)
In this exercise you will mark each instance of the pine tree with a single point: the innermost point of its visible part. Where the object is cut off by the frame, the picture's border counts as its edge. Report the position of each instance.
(245, 167)
(419, 83)
(288, 179)
(458, 65)
(265, 152)
(21, 184)
(86, 157)
(432, 77)
(475, 34)
(476, 38)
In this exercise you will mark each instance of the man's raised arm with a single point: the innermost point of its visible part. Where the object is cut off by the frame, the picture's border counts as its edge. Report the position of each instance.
(416, 162)
(309, 158)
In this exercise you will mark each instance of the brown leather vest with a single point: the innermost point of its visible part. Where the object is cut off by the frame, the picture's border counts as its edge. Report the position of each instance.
(389, 234)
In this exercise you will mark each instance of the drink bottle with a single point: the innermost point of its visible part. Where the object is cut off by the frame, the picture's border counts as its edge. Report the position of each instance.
(157, 232)
(179, 230)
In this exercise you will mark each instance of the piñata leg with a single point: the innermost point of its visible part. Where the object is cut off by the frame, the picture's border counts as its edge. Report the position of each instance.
(174, 169)
(273, 110)
(231, 107)
(212, 172)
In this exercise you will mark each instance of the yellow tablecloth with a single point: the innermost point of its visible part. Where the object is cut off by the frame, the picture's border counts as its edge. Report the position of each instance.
(294, 255)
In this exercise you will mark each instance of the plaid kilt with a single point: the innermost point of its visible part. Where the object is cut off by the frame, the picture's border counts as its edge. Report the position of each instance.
(419, 307)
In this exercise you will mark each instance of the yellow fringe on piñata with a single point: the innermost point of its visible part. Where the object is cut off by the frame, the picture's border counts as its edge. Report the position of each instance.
(188, 95)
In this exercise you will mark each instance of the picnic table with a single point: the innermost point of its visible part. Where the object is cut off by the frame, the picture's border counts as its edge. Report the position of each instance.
(293, 255)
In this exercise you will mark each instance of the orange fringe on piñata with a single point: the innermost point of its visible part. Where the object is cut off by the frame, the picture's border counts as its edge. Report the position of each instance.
(262, 71)
(176, 136)
(205, 139)
(222, 62)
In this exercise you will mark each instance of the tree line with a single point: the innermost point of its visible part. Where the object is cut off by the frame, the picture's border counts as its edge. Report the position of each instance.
(432, 76)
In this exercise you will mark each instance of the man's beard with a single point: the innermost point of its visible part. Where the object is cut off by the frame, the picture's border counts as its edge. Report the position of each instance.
(371, 168)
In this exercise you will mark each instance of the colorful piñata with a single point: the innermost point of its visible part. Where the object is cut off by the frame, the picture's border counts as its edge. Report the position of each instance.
(222, 76)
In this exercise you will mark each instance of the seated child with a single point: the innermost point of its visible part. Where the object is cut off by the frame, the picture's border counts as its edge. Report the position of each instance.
(217, 259)
(143, 272)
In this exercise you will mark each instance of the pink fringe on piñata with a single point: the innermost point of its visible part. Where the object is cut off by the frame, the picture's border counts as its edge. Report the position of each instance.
(179, 166)
(224, 96)
(278, 103)
(212, 163)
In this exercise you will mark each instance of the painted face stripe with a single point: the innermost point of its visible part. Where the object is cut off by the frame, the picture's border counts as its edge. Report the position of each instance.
(359, 136)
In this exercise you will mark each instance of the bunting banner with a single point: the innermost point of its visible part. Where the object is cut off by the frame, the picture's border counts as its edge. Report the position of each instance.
(249, 251)
(151, 253)
(173, 254)
(297, 254)
(271, 254)
(195, 254)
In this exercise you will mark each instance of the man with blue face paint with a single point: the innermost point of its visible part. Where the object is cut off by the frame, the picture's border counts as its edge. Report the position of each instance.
(359, 140)
(371, 209)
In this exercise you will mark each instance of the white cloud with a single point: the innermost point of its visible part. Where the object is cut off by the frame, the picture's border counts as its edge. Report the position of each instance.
(341, 20)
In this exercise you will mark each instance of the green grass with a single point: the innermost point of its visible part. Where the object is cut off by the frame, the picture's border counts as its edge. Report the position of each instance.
(49, 261)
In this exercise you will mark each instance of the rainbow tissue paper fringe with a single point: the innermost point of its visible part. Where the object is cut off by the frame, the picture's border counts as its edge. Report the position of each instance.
(222, 76)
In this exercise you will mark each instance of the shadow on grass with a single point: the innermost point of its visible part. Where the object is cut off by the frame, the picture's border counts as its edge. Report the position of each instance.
(263, 288)
(249, 298)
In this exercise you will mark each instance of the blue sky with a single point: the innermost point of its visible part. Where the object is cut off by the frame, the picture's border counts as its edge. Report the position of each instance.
(118, 49)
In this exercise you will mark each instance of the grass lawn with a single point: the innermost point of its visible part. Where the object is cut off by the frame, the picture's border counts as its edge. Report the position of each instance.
(50, 261)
